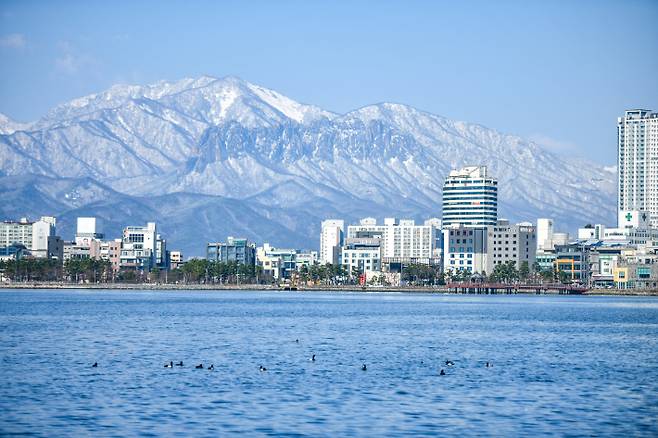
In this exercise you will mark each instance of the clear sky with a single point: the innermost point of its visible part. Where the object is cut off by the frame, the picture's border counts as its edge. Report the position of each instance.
(559, 72)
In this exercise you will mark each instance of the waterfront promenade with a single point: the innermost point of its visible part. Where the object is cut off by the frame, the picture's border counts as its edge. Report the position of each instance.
(451, 288)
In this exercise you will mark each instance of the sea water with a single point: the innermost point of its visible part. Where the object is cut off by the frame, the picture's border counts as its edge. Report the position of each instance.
(561, 365)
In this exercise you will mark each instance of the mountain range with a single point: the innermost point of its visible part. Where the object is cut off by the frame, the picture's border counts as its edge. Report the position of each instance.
(207, 158)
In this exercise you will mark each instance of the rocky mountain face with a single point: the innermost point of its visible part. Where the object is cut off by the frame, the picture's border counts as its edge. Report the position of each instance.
(208, 157)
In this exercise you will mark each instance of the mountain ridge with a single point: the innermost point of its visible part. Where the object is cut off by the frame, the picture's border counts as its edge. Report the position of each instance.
(229, 139)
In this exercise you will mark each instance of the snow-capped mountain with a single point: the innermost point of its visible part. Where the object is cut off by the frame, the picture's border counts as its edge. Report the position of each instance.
(229, 146)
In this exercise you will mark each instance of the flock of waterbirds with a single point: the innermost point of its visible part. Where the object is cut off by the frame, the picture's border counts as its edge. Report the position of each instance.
(261, 368)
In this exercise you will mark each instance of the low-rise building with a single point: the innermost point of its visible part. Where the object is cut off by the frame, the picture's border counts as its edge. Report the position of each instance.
(175, 259)
(109, 250)
(138, 247)
(362, 255)
(238, 250)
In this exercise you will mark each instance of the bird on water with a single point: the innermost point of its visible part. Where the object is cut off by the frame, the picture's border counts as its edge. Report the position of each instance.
(95, 365)
(364, 367)
(313, 358)
(211, 367)
(442, 373)
(262, 368)
(179, 364)
(488, 365)
(199, 367)
(449, 363)
(170, 364)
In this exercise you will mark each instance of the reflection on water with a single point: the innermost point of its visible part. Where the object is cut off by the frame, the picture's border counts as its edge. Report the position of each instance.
(579, 365)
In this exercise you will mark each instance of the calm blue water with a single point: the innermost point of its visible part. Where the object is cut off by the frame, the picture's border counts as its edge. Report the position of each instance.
(562, 365)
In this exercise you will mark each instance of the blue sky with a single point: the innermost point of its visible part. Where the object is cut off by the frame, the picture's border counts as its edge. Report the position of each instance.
(559, 72)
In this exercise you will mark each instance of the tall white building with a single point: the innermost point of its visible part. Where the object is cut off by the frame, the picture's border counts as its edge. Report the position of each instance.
(470, 197)
(637, 162)
(86, 231)
(331, 239)
(544, 234)
(43, 231)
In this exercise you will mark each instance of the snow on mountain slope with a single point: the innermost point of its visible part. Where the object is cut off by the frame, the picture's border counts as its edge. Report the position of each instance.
(9, 126)
(232, 139)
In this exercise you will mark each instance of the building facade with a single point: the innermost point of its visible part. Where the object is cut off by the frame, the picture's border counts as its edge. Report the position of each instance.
(402, 239)
(637, 162)
(362, 254)
(331, 239)
(511, 243)
(138, 247)
(465, 248)
(238, 250)
(470, 197)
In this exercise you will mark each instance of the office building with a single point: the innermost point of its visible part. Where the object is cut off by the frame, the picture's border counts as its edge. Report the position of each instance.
(511, 243)
(470, 198)
(637, 163)
(465, 248)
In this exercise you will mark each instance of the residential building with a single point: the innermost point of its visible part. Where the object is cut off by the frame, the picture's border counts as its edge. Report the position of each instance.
(161, 253)
(73, 251)
(362, 254)
(331, 239)
(401, 241)
(306, 258)
(109, 250)
(470, 197)
(138, 247)
(26, 238)
(14, 233)
(238, 250)
(277, 262)
(637, 269)
(637, 162)
(175, 259)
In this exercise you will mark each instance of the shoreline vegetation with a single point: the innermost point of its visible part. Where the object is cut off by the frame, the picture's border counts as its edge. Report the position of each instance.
(319, 288)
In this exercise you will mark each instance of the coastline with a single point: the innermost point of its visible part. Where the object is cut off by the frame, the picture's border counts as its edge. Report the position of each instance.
(319, 288)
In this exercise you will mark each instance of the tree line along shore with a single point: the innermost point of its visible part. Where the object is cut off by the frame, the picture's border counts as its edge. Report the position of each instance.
(201, 274)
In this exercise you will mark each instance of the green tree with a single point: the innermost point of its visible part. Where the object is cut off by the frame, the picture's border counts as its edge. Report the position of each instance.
(524, 271)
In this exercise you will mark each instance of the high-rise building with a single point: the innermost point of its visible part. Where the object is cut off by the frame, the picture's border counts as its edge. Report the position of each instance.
(331, 239)
(544, 234)
(470, 198)
(637, 163)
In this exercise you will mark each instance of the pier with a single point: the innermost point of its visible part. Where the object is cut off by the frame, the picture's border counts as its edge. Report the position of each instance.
(510, 289)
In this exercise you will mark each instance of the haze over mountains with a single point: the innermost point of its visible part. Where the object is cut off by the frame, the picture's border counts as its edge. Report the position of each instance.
(206, 158)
